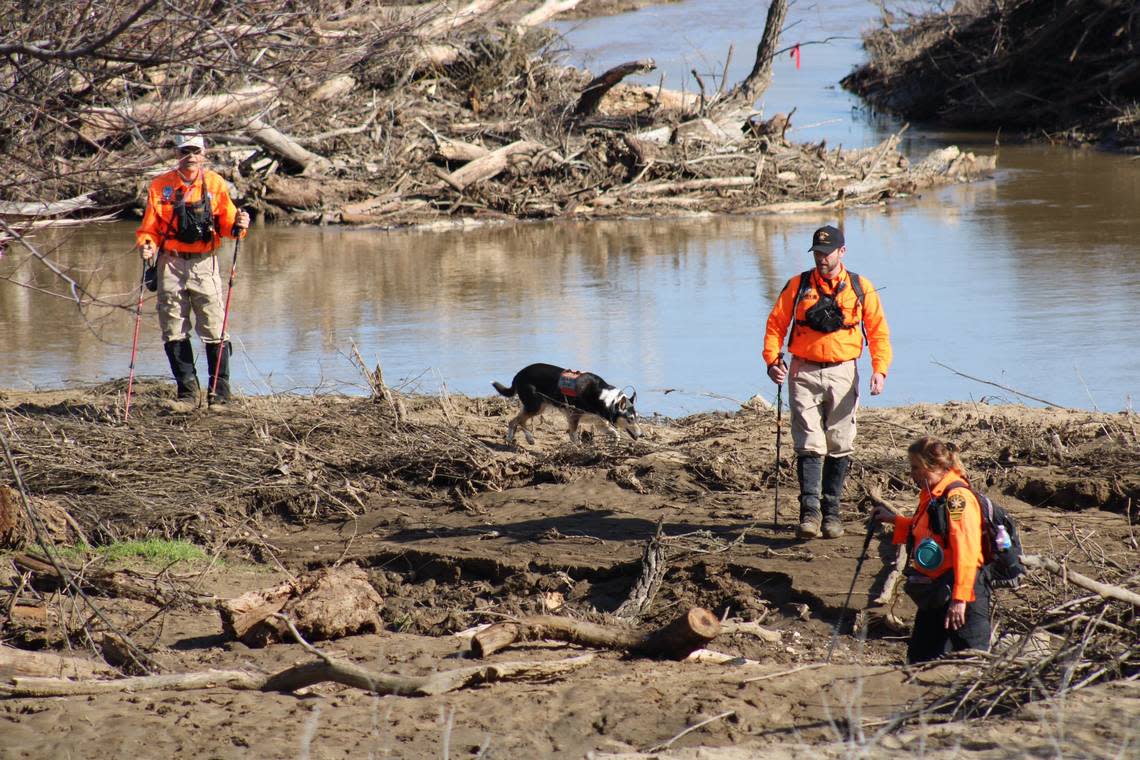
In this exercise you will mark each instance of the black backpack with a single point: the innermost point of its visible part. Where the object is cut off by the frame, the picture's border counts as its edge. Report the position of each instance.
(1003, 564)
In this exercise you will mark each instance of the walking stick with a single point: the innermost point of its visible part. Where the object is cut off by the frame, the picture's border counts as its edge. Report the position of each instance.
(135, 343)
(779, 436)
(850, 591)
(225, 318)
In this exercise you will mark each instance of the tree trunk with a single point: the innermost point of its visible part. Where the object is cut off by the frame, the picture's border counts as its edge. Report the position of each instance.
(594, 91)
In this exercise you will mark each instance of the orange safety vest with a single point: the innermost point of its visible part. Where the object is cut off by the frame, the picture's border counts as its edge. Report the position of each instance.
(842, 345)
(158, 225)
(963, 555)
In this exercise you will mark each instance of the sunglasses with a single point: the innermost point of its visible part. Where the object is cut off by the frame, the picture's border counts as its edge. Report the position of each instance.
(190, 150)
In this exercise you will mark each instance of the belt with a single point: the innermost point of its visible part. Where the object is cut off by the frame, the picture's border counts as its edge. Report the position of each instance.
(189, 254)
(823, 364)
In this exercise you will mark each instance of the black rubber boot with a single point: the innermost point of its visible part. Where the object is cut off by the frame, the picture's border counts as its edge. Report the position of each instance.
(220, 393)
(809, 469)
(181, 356)
(834, 475)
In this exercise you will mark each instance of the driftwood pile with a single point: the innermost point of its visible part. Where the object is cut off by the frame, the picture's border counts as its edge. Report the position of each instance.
(385, 115)
(1070, 68)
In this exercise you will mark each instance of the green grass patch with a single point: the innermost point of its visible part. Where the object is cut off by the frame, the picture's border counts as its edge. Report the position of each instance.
(154, 550)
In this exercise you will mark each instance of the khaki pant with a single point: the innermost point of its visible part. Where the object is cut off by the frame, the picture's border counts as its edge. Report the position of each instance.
(190, 285)
(823, 400)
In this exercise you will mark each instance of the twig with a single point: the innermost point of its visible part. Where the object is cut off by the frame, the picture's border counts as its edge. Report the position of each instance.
(705, 722)
(997, 385)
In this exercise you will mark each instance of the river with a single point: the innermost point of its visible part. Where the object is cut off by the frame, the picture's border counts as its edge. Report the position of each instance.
(1029, 281)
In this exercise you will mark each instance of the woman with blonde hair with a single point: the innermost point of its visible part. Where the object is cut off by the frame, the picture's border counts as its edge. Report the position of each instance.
(945, 577)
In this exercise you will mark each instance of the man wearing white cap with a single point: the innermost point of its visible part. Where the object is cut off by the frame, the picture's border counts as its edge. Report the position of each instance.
(188, 212)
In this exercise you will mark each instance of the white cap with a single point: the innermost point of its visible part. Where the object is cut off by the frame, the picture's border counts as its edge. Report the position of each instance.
(189, 138)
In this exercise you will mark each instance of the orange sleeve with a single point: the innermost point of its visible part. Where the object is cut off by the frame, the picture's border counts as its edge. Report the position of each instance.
(878, 333)
(151, 226)
(778, 320)
(902, 529)
(965, 542)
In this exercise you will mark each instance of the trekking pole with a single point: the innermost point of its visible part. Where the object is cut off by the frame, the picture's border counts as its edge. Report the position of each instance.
(779, 436)
(225, 318)
(850, 591)
(135, 344)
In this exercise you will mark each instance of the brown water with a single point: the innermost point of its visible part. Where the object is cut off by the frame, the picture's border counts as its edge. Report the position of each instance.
(1031, 281)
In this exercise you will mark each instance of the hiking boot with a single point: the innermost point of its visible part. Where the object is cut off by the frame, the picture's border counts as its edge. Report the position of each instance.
(834, 476)
(180, 353)
(832, 527)
(218, 391)
(809, 470)
(808, 527)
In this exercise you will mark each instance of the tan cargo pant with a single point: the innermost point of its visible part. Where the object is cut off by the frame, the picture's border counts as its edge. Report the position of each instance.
(190, 285)
(824, 399)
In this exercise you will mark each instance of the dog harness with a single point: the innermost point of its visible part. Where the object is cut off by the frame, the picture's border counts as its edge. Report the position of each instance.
(568, 383)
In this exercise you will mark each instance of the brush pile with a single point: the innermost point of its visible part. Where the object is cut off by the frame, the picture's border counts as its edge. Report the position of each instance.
(368, 113)
(1070, 68)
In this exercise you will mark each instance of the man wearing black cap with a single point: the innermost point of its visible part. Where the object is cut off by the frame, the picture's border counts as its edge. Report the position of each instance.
(830, 311)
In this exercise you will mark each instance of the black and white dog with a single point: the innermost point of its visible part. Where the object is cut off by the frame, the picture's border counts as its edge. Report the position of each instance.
(575, 394)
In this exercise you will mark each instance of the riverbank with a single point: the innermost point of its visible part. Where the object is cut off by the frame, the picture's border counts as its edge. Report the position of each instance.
(453, 529)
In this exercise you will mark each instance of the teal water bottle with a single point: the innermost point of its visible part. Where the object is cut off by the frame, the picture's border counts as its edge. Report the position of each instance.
(928, 554)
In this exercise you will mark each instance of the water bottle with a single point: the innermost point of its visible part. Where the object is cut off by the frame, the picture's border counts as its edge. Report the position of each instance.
(928, 554)
(1001, 539)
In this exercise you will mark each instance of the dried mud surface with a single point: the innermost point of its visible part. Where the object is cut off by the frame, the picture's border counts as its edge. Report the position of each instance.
(455, 528)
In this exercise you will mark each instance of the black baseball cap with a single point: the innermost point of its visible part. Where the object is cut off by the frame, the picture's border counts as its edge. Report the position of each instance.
(826, 239)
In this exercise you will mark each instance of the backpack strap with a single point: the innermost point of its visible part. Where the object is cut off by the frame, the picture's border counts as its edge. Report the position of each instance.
(805, 285)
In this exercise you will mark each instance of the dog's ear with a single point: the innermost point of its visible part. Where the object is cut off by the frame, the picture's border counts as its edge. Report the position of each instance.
(633, 398)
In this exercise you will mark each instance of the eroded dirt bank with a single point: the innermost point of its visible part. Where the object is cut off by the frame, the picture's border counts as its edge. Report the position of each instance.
(454, 528)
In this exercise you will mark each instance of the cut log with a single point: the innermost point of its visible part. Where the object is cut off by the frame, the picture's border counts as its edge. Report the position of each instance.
(280, 144)
(299, 676)
(675, 641)
(18, 662)
(597, 88)
(457, 150)
(490, 165)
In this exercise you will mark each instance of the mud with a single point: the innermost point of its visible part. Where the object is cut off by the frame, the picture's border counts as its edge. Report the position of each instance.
(455, 529)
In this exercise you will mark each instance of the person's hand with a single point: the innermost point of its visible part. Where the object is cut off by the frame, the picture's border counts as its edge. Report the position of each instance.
(241, 222)
(778, 372)
(956, 615)
(146, 250)
(884, 514)
(878, 380)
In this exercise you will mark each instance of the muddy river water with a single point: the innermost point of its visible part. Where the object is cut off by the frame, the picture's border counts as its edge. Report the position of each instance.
(1031, 280)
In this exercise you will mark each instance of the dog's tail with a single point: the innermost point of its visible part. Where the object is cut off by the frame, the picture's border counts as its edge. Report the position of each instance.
(503, 390)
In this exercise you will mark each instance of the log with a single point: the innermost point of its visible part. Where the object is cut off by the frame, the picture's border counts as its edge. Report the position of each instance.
(44, 208)
(597, 88)
(282, 145)
(685, 186)
(457, 150)
(675, 641)
(299, 676)
(100, 122)
(450, 22)
(1106, 590)
(544, 13)
(18, 662)
(490, 165)
(331, 89)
